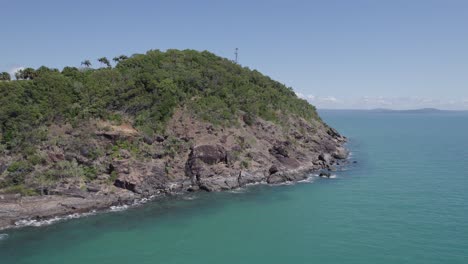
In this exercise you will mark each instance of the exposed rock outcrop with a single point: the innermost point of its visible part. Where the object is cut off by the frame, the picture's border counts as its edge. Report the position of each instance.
(192, 156)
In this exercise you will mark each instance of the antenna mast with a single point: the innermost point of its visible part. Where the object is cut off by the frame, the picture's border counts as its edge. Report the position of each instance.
(236, 53)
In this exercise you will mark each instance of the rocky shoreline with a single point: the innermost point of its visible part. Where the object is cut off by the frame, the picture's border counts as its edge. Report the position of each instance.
(193, 156)
(17, 211)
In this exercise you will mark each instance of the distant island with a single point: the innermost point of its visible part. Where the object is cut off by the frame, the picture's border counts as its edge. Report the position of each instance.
(409, 111)
(416, 111)
(87, 138)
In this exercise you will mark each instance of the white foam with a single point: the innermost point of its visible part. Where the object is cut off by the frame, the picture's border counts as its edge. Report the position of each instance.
(3, 236)
(142, 201)
(237, 190)
(256, 183)
(117, 208)
(189, 197)
(307, 180)
(284, 183)
(38, 223)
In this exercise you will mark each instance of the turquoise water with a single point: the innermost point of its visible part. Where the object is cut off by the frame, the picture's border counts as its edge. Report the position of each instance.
(405, 201)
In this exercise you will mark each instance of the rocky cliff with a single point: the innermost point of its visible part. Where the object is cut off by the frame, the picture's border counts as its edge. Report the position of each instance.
(192, 156)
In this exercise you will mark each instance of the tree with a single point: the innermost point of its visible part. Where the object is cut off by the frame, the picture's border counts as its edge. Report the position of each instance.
(105, 61)
(29, 74)
(19, 74)
(25, 74)
(71, 72)
(120, 58)
(45, 70)
(86, 63)
(5, 76)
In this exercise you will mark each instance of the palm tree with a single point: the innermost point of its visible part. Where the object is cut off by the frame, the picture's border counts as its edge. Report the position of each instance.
(86, 63)
(29, 73)
(19, 74)
(105, 61)
(5, 76)
(120, 58)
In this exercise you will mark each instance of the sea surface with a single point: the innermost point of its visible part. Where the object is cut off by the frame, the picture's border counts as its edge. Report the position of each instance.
(404, 201)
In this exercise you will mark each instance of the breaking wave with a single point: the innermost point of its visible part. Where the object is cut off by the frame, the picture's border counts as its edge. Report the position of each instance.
(117, 208)
(189, 197)
(38, 223)
(307, 180)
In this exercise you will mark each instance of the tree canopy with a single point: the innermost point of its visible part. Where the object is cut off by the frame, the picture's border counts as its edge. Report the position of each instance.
(146, 87)
(5, 76)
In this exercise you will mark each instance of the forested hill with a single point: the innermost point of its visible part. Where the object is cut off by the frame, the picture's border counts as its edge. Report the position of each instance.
(144, 87)
(87, 138)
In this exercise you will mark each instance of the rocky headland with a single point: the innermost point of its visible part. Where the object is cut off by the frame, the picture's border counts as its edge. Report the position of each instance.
(102, 162)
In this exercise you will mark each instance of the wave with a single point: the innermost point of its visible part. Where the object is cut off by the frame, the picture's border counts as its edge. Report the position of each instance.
(284, 183)
(3, 236)
(38, 223)
(237, 190)
(256, 183)
(45, 222)
(307, 180)
(333, 176)
(189, 197)
(118, 208)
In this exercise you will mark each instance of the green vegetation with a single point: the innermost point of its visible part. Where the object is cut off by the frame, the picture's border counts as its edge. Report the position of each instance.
(144, 89)
(5, 76)
(21, 189)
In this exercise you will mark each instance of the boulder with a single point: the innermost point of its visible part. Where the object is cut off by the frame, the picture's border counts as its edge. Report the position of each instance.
(125, 185)
(273, 169)
(340, 153)
(209, 154)
(93, 188)
(206, 161)
(279, 151)
(332, 132)
(218, 183)
(148, 140)
(246, 178)
(276, 178)
(140, 177)
(325, 157)
(193, 188)
(288, 162)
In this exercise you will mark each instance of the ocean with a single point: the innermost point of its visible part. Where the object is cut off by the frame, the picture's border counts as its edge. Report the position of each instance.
(404, 201)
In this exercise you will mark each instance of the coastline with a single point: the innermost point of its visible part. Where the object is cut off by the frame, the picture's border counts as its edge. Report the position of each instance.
(203, 158)
(19, 212)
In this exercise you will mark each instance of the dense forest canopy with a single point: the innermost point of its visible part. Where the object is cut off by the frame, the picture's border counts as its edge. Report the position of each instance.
(147, 88)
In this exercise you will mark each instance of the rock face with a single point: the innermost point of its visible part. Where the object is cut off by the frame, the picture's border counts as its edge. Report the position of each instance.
(208, 154)
(191, 156)
(139, 177)
(340, 153)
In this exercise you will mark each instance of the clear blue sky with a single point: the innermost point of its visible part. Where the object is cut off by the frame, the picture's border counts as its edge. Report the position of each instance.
(338, 54)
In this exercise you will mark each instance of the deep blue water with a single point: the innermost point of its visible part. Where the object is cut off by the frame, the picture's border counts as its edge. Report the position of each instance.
(405, 201)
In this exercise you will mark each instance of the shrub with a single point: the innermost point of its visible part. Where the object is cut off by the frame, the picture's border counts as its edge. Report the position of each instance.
(21, 189)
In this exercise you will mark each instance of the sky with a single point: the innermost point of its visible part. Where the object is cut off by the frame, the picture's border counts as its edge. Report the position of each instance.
(398, 54)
